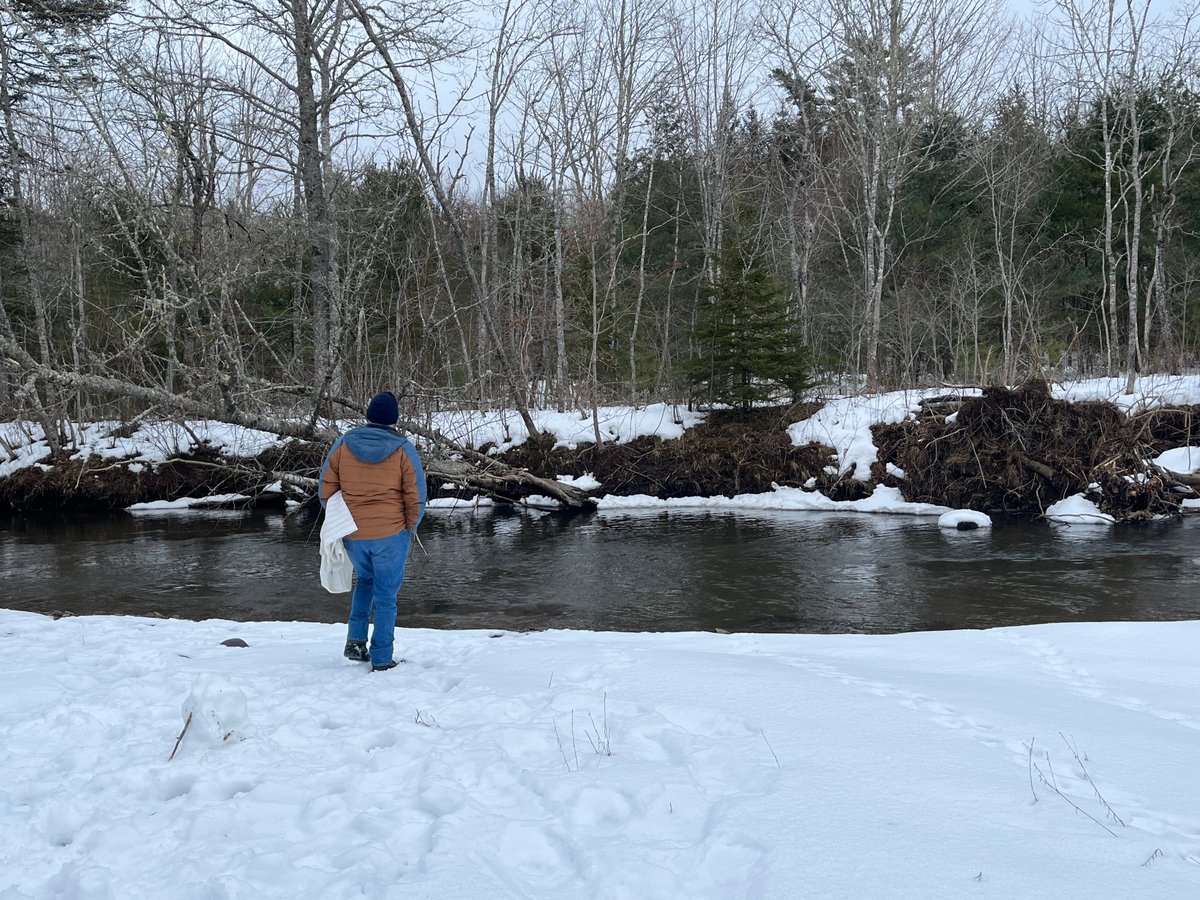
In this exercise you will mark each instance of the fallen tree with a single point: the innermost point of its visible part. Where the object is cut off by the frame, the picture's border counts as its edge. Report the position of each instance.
(446, 461)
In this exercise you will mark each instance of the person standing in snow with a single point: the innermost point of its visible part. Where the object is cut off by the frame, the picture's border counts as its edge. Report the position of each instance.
(383, 483)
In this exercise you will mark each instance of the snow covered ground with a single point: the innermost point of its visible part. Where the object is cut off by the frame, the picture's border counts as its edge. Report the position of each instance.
(23, 443)
(618, 424)
(1047, 761)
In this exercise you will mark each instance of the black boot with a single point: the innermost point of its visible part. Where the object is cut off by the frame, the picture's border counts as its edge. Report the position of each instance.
(357, 651)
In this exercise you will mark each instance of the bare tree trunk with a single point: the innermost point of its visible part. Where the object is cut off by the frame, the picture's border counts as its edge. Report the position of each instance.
(1159, 277)
(79, 337)
(560, 315)
(1134, 216)
(320, 225)
(1110, 255)
(299, 295)
(668, 306)
(641, 283)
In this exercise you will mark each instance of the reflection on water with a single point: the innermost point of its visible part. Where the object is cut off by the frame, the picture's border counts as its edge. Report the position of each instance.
(633, 570)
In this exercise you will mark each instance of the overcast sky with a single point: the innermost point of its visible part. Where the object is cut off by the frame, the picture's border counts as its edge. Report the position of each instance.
(1028, 7)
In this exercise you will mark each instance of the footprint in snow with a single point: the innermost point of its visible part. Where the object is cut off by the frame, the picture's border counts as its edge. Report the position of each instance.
(536, 851)
(61, 825)
(600, 808)
(1054, 661)
(176, 786)
(381, 740)
(728, 865)
(439, 800)
(235, 788)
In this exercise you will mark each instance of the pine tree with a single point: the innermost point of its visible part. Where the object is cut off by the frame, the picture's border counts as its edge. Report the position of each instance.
(749, 349)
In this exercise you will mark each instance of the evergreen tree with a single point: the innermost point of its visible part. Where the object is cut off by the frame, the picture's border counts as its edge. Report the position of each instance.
(749, 348)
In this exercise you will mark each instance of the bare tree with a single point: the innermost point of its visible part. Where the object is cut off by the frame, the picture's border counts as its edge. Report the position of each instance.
(315, 55)
(1012, 160)
(1119, 55)
(891, 70)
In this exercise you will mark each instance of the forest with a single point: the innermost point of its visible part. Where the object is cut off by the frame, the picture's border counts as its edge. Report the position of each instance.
(262, 211)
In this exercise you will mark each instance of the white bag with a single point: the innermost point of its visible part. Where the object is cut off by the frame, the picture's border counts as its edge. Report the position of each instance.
(337, 572)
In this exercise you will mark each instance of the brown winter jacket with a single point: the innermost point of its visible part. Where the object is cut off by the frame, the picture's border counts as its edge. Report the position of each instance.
(383, 497)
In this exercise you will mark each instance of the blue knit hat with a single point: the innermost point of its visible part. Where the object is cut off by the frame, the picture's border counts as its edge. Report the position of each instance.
(383, 409)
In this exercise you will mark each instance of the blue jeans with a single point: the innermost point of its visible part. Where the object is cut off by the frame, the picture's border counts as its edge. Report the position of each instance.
(379, 567)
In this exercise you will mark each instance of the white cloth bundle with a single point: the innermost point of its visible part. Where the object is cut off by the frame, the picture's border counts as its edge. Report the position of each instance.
(337, 572)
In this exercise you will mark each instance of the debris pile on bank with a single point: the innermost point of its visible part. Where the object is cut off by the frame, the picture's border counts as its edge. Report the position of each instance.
(1017, 451)
(732, 453)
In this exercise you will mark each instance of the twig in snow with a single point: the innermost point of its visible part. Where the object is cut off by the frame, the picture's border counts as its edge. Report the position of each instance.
(769, 747)
(1052, 784)
(1031, 787)
(1088, 778)
(1157, 854)
(179, 740)
(561, 748)
(601, 742)
(574, 745)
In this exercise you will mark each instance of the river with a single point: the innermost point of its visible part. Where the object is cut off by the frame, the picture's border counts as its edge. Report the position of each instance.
(791, 572)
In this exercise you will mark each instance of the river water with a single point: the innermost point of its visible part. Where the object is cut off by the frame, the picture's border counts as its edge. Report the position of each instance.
(791, 572)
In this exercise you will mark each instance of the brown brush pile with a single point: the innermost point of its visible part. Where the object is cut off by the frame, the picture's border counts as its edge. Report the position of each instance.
(732, 453)
(1018, 451)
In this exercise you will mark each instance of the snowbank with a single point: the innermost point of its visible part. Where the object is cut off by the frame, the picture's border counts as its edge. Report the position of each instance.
(1048, 761)
(1079, 510)
(155, 442)
(964, 519)
(188, 504)
(150, 443)
(618, 424)
(883, 500)
(1185, 460)
(844, 423)
(1152, 391)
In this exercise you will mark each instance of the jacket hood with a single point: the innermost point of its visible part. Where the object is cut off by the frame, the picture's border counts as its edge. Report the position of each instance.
(373, 444)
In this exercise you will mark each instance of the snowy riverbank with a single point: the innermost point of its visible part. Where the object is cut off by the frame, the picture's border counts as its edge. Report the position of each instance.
(579, 764)
(827, 460)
